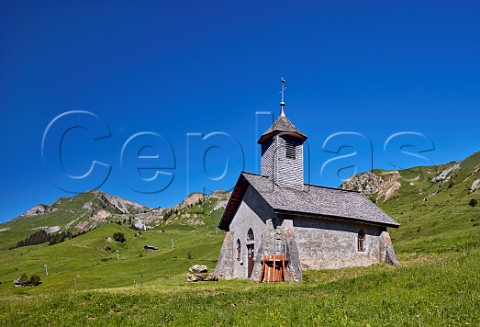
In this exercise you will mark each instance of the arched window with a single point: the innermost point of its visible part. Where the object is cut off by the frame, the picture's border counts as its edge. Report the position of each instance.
(361, 241)
(250, 236)
(239, 250)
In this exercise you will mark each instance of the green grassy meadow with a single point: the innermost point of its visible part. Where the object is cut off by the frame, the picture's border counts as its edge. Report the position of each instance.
(438, 284)
(438, 290)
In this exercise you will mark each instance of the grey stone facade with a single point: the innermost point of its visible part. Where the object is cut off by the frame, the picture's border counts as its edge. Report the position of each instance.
(313, 227)
(326, 244)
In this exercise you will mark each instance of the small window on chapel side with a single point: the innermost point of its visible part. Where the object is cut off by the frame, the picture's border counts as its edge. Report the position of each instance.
(361, 241)
(290, 149)
(239, 250)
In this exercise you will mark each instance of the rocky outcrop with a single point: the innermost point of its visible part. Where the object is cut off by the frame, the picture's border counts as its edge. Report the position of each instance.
(475, 185)
(384, 186)
(180, 213)
(119, 204)
(38, 210)
(190, 200)
(140, 225)
(101, 215)
(367, 183)
(199, 198)
(219, 195)
(444, 175)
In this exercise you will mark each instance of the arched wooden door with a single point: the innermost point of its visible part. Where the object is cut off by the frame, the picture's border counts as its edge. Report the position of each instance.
(250, 251)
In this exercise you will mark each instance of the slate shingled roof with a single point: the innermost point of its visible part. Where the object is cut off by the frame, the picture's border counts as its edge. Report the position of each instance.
(313, 201)
(282, 125)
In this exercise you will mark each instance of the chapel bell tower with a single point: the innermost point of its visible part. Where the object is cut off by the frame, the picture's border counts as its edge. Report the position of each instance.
(282, 151)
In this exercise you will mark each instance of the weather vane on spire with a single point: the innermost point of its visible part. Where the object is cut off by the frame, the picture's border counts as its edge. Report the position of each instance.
(282, 92)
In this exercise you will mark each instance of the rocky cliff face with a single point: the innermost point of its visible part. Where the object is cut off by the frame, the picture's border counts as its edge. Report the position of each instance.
(192, 211)
(384, 185)
(39, 209)
(120, 204)
(421, 184)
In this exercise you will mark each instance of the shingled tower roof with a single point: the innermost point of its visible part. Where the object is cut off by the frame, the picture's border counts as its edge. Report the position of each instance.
(282, 125)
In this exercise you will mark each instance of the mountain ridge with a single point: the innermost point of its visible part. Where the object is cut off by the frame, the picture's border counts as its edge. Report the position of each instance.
(408, 196)
(88, 210)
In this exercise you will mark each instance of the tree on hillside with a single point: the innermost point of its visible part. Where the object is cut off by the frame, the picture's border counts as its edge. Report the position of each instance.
(23, 279)
(34, 280)
(473, 203)
(119, 237)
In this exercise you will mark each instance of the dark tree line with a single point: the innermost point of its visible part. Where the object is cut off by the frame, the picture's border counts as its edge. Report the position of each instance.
(62, 236)
(38, 237)
(42, 236)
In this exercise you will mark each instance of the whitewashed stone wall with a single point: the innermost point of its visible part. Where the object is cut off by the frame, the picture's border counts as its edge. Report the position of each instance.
(252, 213)
(327, 244)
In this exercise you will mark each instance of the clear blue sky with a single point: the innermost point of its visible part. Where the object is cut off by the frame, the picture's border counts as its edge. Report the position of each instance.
(167, 69)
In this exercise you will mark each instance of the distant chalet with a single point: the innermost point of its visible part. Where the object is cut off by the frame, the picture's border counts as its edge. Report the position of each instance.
(275, 215)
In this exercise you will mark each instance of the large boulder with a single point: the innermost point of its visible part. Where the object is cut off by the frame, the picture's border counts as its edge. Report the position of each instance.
(198, 269)
(194, 277)
(201, 277)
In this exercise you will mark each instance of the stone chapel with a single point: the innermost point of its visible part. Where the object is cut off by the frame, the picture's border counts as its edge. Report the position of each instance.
(312, 227)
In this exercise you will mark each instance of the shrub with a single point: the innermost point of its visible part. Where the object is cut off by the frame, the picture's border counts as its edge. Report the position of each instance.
(473, 203)
(34, 280)
(119, 237)
(23, 279)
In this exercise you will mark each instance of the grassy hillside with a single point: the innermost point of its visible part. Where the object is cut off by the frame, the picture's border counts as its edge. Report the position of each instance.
(82, 212)
(94, 259)
(100, 261)
(438, 284)
(435, 212)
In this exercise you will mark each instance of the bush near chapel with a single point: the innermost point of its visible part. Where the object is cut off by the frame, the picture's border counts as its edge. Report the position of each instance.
(473, 203)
